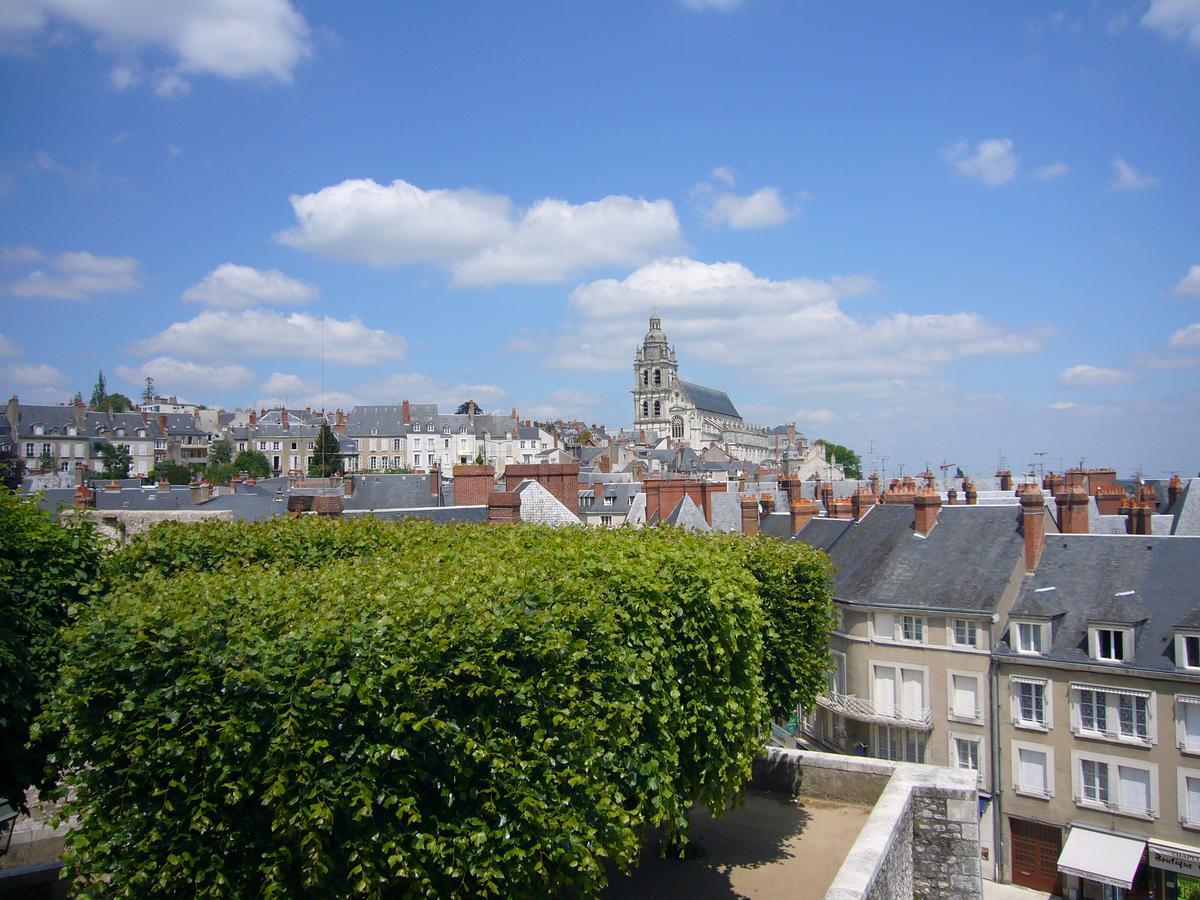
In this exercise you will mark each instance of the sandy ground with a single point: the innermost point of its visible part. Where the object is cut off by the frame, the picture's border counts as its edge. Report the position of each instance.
(769, 847)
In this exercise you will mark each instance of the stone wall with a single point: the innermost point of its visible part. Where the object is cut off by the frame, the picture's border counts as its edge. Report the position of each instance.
(922, 838)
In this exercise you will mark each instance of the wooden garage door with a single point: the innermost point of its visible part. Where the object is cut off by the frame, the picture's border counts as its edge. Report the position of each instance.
(1035, 850)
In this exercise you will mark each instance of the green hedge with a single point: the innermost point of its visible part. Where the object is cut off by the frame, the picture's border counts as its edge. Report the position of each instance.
(44, 569)
(321, 708)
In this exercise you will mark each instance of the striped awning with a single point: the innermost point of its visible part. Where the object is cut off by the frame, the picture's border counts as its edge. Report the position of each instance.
(1024, 679)
(1120, 692)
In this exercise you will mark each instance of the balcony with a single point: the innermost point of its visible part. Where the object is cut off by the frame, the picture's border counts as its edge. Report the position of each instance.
(862, 710)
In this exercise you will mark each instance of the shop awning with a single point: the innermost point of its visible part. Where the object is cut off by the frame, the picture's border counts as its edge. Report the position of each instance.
(1102, 857)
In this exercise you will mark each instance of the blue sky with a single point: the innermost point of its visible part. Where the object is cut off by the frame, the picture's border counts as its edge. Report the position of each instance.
(943, 233)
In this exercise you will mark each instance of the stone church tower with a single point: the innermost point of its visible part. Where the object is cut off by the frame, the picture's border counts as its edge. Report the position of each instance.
(655, 371)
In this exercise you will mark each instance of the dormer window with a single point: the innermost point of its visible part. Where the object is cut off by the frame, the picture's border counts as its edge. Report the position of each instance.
(429, 427)
(1187, 651)
(141, 432)
(39, 429)
(1110, 643)
(1029, 637)
(72, 431)
(462, 429)
(120, 432)
(445, 429)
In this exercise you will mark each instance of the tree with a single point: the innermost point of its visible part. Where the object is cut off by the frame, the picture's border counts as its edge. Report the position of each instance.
(148, 392)
(479, 460)
(252, 462)
(99, 392)
(46, 461)
(468, 408)
(172, 472)
(116, 460)
(326, 458)
(220, 452)
(12, 468)
(116, 403)
(44, 569)
(850, 461)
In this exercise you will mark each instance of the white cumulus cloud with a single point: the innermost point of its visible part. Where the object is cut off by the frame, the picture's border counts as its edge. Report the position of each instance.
(176, 376)
(1185, 337)
(1052, 171)
(266, 333)
(1089, 376)
(1190, 285)
(1127, 177)
(1175, 19)
(8, 348)
(992, 162)
(480, 238)
(34, 375)
(20, 255)
(230, 286)
(761, 209)
(264, 39)
(77, 275)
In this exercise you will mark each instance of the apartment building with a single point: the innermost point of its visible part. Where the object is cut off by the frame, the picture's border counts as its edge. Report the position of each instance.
(1098, 752)
(71, 436)
(922, 591)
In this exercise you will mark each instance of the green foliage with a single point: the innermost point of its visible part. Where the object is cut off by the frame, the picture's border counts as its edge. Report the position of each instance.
(116, 458)
(479, 460)
(483, 711)
(252, 462)
(116, 403)
(44, 569)
(46, 461)
(99, 392)
(172, 472)
(219, 473)
(148, 392)
(220, 452)
(12, 467)
(850, 461)
(325, 459)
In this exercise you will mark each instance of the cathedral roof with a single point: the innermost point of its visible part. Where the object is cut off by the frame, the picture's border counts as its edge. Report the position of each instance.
(708, 399)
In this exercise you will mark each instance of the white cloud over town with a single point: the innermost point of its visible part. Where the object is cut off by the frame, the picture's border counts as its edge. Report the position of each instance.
(1175, 20)
(992, 162)
(219, 334)
(480, 238)
(1189, 286)
(1185, 338)
(1127, 177)
(230, 286)
(179, 375)
(1089, 376)
(250, 39)
(297, 390)
(34, 375)
(1052, 171)
(74, 275)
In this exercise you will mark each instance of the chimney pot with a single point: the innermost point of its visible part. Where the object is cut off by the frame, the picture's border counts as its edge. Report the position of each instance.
(1072, 511)
(749, 514)
(1033, 526)
(926, 505)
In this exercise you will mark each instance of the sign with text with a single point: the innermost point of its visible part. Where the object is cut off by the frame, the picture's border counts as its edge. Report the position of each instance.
(1174, 859)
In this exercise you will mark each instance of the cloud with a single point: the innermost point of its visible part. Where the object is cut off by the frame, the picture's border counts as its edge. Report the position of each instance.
(1190, 285)
(1089, 376)
(230, 286)
(296, 389)
(790, 332)
(723, 174)
(1166, 362)
(992, 162)
(563, 403)
(1185, 337)
(479, 237)
(761, 209)
(1175, 19)
(34, 375)
(812, 416)
(20, 255)
(701, 5)
(1052, 172)
(1064, 404)
(173, 375)
(1127, 177)
(258, 332)
(8, 348)
(258, 39)
(77, 275)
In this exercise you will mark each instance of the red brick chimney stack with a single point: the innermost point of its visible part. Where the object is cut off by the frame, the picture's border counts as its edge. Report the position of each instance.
(1174, 489)
(340, 426)
(283, 419)
(970, 495)
(768, 504)
(749, 514)
(503, 507)
(1005, 477)
(951, 497)
(861, 502)
(435, 480)
(801, 512)
(1138, 519)
(1072, 511)
(405, 413)
(162, 422)
(926, 505)
(1033, 526)
(473, 484)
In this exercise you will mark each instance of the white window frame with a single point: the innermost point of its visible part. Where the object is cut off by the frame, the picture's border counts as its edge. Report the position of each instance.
(831, 680)
(1025, 790)
(1015, 636)
(888, 635)
(977, 717)
(972, 629)
(898, 668)
(606, 521)
(1114, 764)
(1127, 649)
(1181, 638)
(980, 753)
(1014, 685)
(1182, 775)
(920, 739)
(1112, 698)
(1182, 700)
(918, 624)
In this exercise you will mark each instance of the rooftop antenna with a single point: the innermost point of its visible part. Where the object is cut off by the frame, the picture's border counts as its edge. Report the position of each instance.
(1041, 455)
(945, 466)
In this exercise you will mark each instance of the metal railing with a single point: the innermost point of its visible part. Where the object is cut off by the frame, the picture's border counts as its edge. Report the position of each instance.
(862, 710)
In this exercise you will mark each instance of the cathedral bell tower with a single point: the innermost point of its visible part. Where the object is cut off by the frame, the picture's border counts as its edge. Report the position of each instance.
(654, 372)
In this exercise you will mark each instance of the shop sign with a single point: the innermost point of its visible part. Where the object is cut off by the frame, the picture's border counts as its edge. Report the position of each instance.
(1174, 860)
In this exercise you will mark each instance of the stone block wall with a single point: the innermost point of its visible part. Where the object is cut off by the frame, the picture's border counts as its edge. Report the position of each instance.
(946, 847)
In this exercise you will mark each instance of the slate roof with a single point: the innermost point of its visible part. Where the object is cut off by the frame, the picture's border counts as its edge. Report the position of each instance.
(823, 533)
(1088, 571)
(964, 563)
(390, 492)
(709, 399)
(432, 513)
(1187, 509)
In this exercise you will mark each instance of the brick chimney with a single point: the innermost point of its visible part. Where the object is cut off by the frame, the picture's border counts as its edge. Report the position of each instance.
(405, 413)
(861, 502)
(1005, 477)
(283, 419)
(13, 413)
(347, 485)
(926, 505)
(473, 484)
(162, 422)
(970, 494)
(1109, 500)
(327, 505)
(340, 422)
(435, 480)
(951, 497)
(1148, 495)
(1033, 526)
(826, 494)
(749, 514)
(1072, 511)
(767, 505)
(504, 506)
(253, 417)
(84, 497)
(801, 512)
(1138, 519)
(598, 489)
(1174, 489)
(79, 411)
